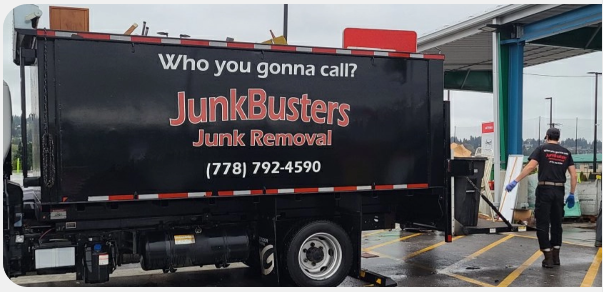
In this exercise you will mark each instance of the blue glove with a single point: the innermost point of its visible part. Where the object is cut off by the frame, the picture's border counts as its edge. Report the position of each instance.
(570, 201)
(511, 186)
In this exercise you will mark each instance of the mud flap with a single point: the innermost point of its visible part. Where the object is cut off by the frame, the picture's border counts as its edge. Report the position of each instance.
(267, 243)
(351, 221)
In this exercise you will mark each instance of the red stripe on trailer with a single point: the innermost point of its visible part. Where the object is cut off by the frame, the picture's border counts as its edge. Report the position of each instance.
(305, 190)
(324, 50)
(399, 55)
(173, 195)
(257, 192)
(94, 36)
(46, 32)
(434, 57)
(272, 191)
(240, 45)
(344, 189)
(417, 186)
(195, 43)
(225, 193)
(284, 48)
(384, 187)
(121, 197)
(205, 43)
(363, 52)
(139, 39)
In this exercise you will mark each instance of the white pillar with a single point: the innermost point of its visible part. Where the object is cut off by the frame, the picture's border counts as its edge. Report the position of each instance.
(495, 103)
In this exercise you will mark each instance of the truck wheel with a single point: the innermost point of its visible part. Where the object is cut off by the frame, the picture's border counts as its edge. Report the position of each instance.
(5, 261)
(318, 254)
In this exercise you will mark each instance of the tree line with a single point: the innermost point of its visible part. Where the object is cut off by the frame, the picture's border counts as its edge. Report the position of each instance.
(583, 146)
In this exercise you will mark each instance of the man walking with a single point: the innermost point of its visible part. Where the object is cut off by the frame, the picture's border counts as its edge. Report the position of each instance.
(553, 161)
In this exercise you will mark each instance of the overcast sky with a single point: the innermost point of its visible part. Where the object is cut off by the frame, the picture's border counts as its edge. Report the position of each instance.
(322, 25)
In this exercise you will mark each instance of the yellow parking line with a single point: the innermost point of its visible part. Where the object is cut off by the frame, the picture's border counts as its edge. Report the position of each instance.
(460, 277)
(373, 233)
(381, 255)
(478, 253)
(490, 246)
(467, 279)
(416, 253)
(589, 278)
(401, 260)
(566, 242)
(390, 242)
(511, 277)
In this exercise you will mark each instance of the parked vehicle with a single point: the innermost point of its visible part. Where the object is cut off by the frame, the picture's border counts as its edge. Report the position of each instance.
(180, 152)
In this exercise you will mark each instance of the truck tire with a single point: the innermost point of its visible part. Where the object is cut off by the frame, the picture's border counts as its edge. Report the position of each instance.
(5, 261)
(318, 254)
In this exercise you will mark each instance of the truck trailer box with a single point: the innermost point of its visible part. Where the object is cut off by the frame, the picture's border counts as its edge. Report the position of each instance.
(145, 118)
(177, 152)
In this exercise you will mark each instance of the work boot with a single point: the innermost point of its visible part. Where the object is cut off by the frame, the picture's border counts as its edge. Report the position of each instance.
(548, 259)
(556, 260)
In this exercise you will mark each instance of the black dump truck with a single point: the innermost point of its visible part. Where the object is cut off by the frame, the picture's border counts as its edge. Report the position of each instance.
(180, 152)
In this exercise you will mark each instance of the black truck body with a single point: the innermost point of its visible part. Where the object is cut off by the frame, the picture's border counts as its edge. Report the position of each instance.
(179, 152)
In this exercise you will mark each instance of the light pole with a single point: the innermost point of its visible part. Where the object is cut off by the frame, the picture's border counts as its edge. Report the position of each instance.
(538, 130)
(550, 111)
(285, 20)
(595, 142)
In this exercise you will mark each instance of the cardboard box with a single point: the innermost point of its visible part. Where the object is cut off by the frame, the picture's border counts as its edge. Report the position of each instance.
(522, 215)
(69, 18)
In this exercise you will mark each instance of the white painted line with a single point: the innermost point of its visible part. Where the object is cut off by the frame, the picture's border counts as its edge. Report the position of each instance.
(170, 41)
(197, 195)
(396, 187)
(303, 49)
(98, 198)
(218, 44)
(420, 56)
(286, 191)
(238, 193)
(64, 34)
(148, 196)
(328, 189)
(120, 38)
(262, 47)
(343, 52)
(384, 54)
(363, 188)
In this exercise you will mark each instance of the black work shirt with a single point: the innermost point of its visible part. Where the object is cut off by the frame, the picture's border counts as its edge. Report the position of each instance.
(553, 161)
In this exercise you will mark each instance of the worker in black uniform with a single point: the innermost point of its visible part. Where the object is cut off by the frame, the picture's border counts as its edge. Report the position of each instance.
(553, 161)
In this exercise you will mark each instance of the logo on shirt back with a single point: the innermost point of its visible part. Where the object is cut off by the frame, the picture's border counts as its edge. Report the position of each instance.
(555, 157)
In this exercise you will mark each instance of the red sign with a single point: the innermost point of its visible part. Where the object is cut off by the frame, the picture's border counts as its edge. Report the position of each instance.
(397, 40)
(488, 127)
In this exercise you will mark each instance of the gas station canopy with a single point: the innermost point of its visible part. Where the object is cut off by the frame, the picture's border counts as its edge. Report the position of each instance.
(548, 33)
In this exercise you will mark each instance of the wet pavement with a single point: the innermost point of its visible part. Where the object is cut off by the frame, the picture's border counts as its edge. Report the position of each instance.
(412, 259)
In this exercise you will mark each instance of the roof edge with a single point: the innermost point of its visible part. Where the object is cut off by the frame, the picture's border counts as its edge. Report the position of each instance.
(506, 14)
(471, 22)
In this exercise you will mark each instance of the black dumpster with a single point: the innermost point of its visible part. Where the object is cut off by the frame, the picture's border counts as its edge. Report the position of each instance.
(466, 197)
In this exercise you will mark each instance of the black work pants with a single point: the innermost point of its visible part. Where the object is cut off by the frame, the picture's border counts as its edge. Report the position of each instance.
(549, 214)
